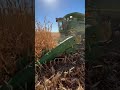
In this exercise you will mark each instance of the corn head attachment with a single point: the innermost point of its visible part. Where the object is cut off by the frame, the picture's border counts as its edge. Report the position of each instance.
(67, 46)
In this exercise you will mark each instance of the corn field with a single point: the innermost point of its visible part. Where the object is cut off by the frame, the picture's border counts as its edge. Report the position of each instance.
(44, 40)
(16, 39)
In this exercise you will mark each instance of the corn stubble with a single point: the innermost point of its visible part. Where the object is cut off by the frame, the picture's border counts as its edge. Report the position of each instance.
(64, 73)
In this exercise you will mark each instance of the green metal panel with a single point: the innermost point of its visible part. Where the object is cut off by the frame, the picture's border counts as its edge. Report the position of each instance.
(60, 49)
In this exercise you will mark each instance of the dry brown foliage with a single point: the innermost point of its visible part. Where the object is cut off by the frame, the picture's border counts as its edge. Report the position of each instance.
(66, 73)
(56, 36)
(44, 40)
(16, 35)
(16, 41)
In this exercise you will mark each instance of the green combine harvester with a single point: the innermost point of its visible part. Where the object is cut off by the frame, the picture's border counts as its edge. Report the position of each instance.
(25, 77)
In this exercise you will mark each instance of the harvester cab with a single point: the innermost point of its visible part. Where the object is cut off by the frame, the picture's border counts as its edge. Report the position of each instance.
(72, 24)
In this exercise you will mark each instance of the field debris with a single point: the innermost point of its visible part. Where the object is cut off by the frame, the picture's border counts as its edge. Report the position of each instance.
(66, 73)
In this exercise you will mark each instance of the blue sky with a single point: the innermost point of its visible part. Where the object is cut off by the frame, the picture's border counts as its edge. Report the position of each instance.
(53, 9)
